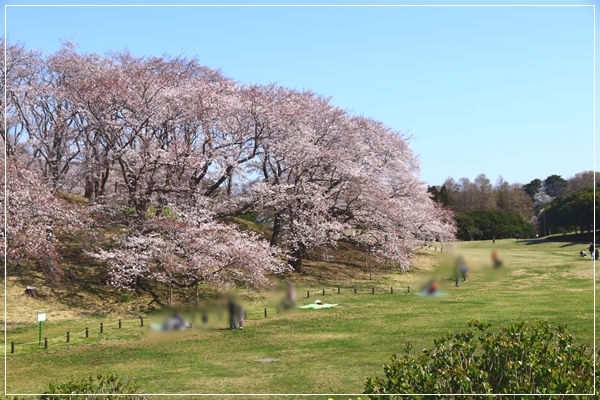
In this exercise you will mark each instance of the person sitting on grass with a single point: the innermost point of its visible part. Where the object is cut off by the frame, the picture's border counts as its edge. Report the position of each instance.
(432, 287)
(176, 322)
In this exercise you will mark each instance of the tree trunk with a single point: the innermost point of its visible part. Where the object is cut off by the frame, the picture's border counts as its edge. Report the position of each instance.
(298, 255)
(141, 207)
(90, 190)
(31, 291)
(138, 285)
(297, 264)
(102, 184)
(276, 229)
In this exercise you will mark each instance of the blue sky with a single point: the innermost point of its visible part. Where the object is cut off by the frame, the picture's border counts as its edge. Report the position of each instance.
(496, 90)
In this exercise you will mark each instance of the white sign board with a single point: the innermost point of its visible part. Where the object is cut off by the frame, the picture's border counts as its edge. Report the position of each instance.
(41, 317)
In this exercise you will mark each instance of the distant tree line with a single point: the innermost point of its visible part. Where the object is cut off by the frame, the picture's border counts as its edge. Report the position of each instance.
(485, 225)
(553, 205)
(571, 212)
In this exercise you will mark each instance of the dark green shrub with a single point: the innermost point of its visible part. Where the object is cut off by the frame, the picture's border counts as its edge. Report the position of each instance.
(484, 225)
(95, 384)
(519, 359)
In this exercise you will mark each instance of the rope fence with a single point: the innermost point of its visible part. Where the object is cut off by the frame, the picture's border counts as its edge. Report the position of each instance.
(69, 335)
(335, 290)
(356, 290)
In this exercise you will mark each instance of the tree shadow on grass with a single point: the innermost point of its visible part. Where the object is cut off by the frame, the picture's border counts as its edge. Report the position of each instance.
(568, 239)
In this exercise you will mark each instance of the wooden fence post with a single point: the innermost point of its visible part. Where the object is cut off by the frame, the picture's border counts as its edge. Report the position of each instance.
(323, 291)
(12, 347)
(354, 289)
(338, 289)
(101, 327)
(307, 294)
(392, 290)
(119, 323)
(45, 343)
(373, 291)
(265, 313)
(68, 337)
(141, 321)
(408, 289)
(87, 332)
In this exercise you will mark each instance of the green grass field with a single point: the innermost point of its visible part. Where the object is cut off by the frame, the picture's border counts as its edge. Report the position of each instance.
(321, 351)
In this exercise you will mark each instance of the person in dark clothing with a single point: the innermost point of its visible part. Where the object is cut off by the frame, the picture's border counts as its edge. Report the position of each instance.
(176, 322)
(205, 319)
(232, 308)
(463, 271)
(456, 274)
(493, 239)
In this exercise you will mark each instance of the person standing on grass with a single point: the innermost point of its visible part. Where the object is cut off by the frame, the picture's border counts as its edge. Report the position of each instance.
(240, 315)
(591, 249)
(493, 239)
(204, 319)
(496, 260)
(463, 271)
(457, 271)
(232, 308)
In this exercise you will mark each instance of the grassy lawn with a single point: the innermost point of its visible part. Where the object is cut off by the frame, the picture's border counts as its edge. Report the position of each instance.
(321, 351)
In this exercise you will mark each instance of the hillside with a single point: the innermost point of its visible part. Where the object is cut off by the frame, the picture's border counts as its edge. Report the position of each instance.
(84, 293)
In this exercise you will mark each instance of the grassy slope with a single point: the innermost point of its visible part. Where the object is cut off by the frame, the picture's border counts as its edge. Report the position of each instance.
(325, 351)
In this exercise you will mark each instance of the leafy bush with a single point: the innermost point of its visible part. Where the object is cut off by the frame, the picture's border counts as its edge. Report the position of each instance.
(95, 384)
(518, 359)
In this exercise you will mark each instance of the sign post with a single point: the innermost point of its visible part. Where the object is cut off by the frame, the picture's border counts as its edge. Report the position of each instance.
(41, 319)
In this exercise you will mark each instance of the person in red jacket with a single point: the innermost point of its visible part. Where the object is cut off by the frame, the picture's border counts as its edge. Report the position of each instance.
(496, 260)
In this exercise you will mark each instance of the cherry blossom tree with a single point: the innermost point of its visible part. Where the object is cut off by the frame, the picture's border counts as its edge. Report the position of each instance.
(177, 135)
(34, 214)
(185, 248)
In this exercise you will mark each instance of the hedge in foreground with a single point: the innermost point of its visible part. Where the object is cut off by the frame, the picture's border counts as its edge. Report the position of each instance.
(519, 359)
(95, 384)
